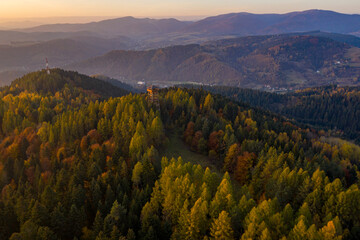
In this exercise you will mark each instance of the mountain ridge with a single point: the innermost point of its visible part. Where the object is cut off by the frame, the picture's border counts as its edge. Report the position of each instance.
(255, 24)
(241, 23)
(255, 61)
(130, 26)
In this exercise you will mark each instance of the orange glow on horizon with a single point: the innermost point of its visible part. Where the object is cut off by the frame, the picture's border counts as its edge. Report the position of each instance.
(12, 9)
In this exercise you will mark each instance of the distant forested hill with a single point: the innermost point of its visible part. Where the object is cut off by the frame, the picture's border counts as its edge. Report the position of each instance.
(58, 80)
(116, 83)
(277, 60)
(79, 165)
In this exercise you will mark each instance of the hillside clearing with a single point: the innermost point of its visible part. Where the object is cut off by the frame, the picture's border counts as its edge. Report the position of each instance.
(177, 148)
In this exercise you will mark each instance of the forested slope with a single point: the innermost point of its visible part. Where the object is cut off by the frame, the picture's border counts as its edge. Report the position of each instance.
(80, 166)
(331, 107)
(59, 79)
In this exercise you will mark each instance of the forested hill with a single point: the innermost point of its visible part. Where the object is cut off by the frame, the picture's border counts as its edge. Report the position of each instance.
(331, 107)
(58, 80)
(77, 167)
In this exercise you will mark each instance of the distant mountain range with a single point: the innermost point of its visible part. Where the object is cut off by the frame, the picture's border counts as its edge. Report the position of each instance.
(148, 31)
(276, 60)
(242, 24)
(25, 50)
(255, 24)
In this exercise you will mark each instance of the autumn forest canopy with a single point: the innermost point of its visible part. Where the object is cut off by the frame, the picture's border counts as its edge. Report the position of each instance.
(83, 159)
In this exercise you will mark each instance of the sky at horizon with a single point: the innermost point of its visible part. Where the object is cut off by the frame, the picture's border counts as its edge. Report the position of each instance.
(22, 9)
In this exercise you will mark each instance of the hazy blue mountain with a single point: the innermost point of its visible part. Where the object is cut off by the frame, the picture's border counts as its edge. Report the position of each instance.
(255, 24)
(128, 26)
